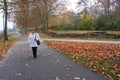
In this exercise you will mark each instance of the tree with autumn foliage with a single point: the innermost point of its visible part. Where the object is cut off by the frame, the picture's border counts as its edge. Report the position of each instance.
(36, 13)
(99, 8)
(86, 21)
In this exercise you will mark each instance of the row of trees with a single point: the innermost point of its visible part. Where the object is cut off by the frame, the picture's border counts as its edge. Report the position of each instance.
(35, 13)
(97, 15)
(53, 14)
(30, 13)
(104, 13)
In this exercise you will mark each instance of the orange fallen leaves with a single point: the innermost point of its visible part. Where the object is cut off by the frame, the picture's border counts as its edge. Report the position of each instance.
(98, 51)
(93, 55)
(5, 46)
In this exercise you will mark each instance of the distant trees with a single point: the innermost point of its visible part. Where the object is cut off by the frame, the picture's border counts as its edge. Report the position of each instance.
(104, 14)
(53, 14)
(98, 15)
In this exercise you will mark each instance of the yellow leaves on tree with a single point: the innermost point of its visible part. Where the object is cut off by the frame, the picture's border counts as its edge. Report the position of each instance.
(85, 16)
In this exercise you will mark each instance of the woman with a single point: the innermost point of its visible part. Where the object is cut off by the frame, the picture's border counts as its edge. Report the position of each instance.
(32, 38)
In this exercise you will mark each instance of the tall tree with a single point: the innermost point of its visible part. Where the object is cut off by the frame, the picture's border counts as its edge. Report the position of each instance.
(5, 28)
(4, 6)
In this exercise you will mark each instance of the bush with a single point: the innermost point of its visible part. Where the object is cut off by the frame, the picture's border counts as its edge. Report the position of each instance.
(86, 25)
(70, 27)
(66, 27)
(56, 27)
(105, 23)
(117, 25)
(100, 23)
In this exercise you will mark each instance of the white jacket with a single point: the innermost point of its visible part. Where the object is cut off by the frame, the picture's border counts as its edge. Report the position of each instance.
(31, 39)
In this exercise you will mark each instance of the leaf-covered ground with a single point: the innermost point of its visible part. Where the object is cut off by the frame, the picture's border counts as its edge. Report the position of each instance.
(5, 46)
(102, 58)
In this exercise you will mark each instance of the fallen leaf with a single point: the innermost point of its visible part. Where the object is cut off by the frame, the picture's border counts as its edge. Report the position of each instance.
(27, 65)
(57, 60)
(83, 79)
(17, 74)
(53, 62)
(48, 55)
(57, 78)
(67, 75)
(76, 78)
(26, 79)
(68, 67)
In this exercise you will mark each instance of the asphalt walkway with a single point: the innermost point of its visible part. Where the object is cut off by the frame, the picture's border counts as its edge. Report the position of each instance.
(76, 40)
(18, 64)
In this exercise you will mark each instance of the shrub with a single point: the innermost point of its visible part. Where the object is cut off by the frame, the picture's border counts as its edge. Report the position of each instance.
(105, 23)
(70, 27)
(86, 25)
(55, 27)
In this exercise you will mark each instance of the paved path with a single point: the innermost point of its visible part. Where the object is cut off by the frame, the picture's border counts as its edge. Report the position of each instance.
(96, 41)
(50, 64)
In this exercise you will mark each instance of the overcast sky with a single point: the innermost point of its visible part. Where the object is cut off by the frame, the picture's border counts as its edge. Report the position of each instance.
(1, 22)
(71, 6)
(10, 24)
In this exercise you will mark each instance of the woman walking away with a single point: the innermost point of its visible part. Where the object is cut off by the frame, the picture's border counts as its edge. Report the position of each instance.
(32, 38)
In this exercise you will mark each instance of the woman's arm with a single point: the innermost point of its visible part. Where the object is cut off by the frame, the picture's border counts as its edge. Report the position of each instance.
(29, 37)
(38, 37)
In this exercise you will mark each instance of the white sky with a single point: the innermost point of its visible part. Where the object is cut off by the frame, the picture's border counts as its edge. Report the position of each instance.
(10, 24)
(71, 6)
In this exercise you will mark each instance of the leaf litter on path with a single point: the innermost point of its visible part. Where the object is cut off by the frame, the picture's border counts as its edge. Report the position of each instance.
(26, 79)
(68, 67)
(17, 74)
(48, 54)
(78, 78)
(27, 65)
(56, 61)
(57, 78)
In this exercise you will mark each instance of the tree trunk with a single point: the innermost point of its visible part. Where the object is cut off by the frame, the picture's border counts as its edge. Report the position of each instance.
(5, 26)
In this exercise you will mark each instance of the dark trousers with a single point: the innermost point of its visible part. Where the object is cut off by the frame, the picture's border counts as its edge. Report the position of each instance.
(34, 49)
